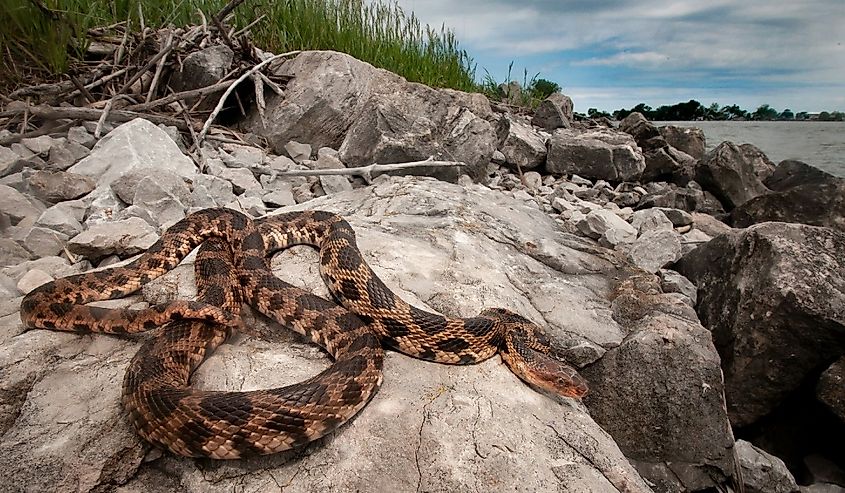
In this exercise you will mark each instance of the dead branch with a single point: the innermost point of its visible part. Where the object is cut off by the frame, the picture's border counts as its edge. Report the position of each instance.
(364, 171)
(92, 114)
(202, 91)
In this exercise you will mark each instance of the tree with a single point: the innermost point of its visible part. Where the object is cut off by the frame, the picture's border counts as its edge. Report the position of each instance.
(734, 112)
(802, 115)
(595, 113)
(543, 88)
(786, 114)
(765, 112)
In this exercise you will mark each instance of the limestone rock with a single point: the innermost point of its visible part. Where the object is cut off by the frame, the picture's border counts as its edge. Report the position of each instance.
(554, 112)
(211, 191)
(729, 175)
(332, 183)
(242, 179)
(804, 195)
(687, 139)
(203, 68)
(655, 249)
(774, 297)
(762, 472)
(32, 280)
(597, 222)
(763, 166)
(43, 242)
(59, 186)
(598, 153)
(522, 146)
(677, 216)
(16, 206)
(372, 115)
(673, 282)
(132, 147)
(643, 131)
(425, 421)
(659, 393)
(11, 253)
(125, 237)
(297, 151)
(10, 162)
(650, 220)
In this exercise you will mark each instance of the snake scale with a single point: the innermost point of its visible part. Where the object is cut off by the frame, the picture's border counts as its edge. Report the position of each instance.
(232, 267)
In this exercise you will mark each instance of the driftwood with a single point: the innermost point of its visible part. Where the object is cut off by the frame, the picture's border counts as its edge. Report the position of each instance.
(92, 114)
(365, 172)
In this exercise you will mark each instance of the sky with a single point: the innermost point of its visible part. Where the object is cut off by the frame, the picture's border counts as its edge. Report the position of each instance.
(611, 54)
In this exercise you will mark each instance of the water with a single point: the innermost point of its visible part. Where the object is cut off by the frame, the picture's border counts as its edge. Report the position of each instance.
(821, 144)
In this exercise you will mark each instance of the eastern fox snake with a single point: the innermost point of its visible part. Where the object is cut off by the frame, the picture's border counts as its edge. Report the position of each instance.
(233, 267)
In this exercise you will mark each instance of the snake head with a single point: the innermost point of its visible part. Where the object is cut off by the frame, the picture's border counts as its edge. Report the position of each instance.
(533, 356)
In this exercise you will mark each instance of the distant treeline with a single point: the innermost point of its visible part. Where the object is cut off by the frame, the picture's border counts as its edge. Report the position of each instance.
(693, 110)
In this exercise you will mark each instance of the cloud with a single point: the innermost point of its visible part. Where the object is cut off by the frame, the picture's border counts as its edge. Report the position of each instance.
(724, 43)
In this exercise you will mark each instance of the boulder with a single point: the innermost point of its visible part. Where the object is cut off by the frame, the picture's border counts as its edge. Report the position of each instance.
(10, 162)
(522, 146)
(729, 175)
(689, 198)
(773, 296)
(599, 221)
(763, 472)
(372, 115)
(763, 166)
(668, 163)
(643, 131)
(651, 416)
(203, 68)
(596, 153)
(689, 140)
(297, 151)
(831, 388)
(791, 173)
(803, 195)
(650, 220)
(136, 146)
(554, 112)
(447, 426)
(16, 206)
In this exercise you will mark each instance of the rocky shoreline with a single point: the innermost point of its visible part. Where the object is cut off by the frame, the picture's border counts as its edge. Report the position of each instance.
(713, 338)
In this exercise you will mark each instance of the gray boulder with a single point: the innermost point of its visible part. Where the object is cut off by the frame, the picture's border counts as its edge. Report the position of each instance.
(803, 194)
(522, 146)
(763, 166)
(831, 388)
(763, 472)
(372, 115)
(727, 173)
(439, 427)
(689, 140)
(136, 146)
(597, 153)
(773, 296)
(16, 206)
(554, 112)
(651, 416)
(643, 131)
(125, 237)
(654, 249)
(203, 68)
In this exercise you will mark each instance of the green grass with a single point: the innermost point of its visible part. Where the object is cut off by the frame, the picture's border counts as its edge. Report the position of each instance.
(47, 37)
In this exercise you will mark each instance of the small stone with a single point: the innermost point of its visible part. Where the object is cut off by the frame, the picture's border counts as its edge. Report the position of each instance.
(281, 197)
(43, 242)
(124, 237)
(674, 282)
(81, 136)
(597, 222)
(650, 220)
(42, 144)
(465, 180)
(32, 280)
(532, 180)
(763, 472)
(677, 216)
(655, 249)
(332, 183)
(498, 157)
(10, 162)
(297, 151)
(66, 155)
(580, 181)
(59, 186)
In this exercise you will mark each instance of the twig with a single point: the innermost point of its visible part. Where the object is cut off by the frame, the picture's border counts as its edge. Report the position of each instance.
(92, 114)
(81, 88)
(232, 5)
(159, 68)
(231, 88)
(161, 54)
(25, 122)
(248, 26)
(102, 120)
(259, 97)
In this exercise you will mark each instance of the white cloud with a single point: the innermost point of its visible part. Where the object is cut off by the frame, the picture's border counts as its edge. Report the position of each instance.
(791, 44)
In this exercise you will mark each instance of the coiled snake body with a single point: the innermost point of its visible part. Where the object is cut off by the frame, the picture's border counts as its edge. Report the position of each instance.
(232, 267)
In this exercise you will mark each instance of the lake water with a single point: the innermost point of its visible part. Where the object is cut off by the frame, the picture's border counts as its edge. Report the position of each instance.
(821, 144)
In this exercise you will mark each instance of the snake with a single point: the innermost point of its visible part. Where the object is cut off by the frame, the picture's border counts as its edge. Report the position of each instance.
(232, 268)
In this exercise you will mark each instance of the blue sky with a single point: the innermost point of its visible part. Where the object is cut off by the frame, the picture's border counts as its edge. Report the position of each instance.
(610, 54)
